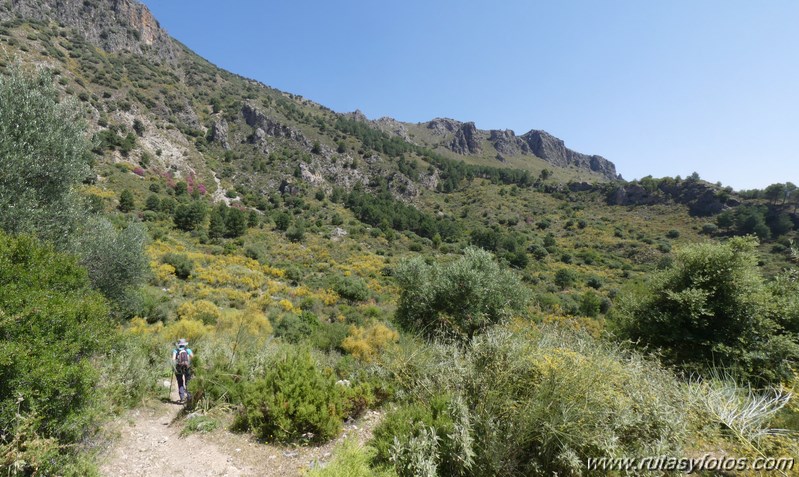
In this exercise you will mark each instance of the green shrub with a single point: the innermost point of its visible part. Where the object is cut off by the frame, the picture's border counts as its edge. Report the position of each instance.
(565, 277)
(351, 288)
(52, 323)
(430, 439)
(534, 403)
(295, 328)
(126, 201)
(296, 233)
(459, 299)
(114, 258)
(132, 370)
(710, 309)
(292, 401)
(198, 423)
(590, 304)
(183, 265)
(153, 202)
(282, 221)
(350, 460)
(235, 223)
(190, 216)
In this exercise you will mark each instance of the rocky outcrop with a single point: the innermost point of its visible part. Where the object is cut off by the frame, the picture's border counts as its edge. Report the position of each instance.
(393, 127)
(357, 115)
(507, 143)
(443, 126)
(466, 140)
(554, 151)
(219, 133)
(702, 198)
(188, 116)
(113, 25)
(266, 126)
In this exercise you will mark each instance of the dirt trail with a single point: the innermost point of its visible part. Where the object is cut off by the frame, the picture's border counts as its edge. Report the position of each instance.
(150, 445)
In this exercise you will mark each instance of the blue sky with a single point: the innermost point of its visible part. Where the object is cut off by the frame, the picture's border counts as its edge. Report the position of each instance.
(657, 87)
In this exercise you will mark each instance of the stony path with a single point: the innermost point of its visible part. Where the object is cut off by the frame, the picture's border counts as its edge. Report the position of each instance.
(149, 445)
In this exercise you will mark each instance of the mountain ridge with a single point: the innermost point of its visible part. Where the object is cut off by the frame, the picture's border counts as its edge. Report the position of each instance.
(465, 139)
(129, 26)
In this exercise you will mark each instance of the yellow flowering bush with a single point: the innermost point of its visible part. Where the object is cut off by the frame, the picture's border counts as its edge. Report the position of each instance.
(200, 310)
(250, 323)
(163, 272)
(189, 329)
(139, 326)
(286, 305)
(366, 343)
(327, 296)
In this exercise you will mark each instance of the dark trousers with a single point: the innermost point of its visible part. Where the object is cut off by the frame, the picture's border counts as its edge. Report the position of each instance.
(183, 377)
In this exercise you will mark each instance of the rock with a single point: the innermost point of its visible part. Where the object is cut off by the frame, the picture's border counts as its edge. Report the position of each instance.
(338, 233)
(219, 133)
(506, 142)
(270, 127)
(580, 186)
(112, 25)
(554, 151)
(443, 126)
(310, 176)
(701, 197)
(400, 185)
(466, 140)
(288, 188)
(393, 127)
(357, 115)
(188, 116)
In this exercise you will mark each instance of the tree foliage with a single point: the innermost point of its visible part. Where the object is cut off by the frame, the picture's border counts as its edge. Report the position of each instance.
(458, 299)
(51, 323)
(114, 257)
(44, 153)
(711, 308)
(293, 399)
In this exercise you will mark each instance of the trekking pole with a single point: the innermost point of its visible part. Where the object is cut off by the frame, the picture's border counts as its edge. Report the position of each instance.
(171, 380)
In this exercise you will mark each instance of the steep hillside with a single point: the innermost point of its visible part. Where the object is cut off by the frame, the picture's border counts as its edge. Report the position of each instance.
(128, 68)
(167, 122)
(297, 248)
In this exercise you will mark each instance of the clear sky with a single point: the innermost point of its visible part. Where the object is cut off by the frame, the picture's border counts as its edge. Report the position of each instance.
(658, 87)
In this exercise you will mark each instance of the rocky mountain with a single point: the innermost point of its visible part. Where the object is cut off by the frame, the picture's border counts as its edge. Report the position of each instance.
(113, 25)
(465, 139)
(155, 105)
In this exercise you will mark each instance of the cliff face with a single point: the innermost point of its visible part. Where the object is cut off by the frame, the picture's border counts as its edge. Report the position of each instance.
(554, 150)
(465, 139)
(113, 25)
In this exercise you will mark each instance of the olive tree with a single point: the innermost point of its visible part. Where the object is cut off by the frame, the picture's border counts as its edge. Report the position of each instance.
(459, 299)
(44, 153)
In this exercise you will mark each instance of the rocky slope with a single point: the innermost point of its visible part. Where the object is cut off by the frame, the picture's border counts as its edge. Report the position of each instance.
(200, 122)
(113, 25)
(464, 139)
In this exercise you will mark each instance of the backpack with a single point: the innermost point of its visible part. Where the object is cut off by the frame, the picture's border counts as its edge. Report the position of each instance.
(183, 360)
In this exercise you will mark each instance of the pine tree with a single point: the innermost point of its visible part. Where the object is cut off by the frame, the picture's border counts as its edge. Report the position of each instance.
(126, 201)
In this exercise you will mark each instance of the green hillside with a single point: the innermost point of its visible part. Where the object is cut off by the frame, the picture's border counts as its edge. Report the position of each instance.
(510, 315)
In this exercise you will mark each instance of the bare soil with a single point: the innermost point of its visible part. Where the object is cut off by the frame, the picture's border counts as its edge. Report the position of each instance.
(148, 444)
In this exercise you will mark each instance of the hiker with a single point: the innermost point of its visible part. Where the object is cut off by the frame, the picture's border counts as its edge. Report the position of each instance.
(181, 363)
